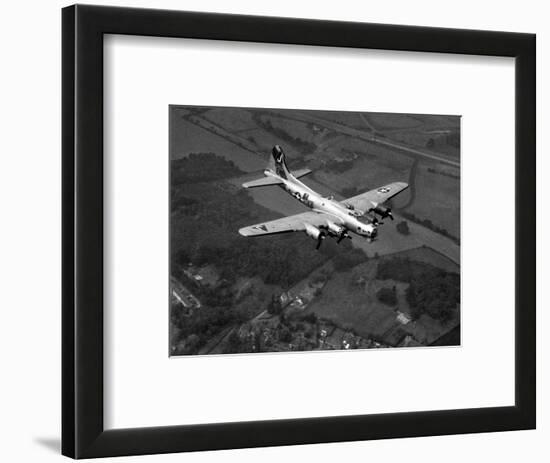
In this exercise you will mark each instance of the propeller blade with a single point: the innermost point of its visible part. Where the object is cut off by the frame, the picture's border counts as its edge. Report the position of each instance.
(319, 241)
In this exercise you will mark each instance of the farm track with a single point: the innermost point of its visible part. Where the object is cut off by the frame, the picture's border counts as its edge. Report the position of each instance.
(212, 127)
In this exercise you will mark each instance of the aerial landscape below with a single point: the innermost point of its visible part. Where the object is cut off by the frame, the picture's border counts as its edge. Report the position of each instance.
(301, 230)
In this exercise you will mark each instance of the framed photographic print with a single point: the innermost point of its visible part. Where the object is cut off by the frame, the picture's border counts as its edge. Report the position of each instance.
(283, 231)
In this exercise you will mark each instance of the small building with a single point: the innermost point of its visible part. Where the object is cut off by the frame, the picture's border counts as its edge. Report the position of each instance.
(409, 341)
(402, 318)
(285, 298)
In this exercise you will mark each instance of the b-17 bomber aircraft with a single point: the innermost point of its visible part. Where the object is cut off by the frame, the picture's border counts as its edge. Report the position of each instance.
(327, 216)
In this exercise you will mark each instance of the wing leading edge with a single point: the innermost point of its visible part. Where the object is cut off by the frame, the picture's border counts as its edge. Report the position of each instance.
(291, 223)
(267, 181)
(264, 181)
(373, 198)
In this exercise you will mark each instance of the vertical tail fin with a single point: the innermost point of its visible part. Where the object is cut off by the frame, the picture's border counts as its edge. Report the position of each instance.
(278, 164)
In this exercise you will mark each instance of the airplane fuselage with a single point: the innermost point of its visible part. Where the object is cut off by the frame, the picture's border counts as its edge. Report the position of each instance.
(340, 218)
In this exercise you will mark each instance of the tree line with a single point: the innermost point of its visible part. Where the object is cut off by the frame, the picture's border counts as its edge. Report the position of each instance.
(431, 290)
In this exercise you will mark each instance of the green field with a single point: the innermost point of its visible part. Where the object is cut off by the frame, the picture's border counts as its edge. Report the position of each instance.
(441, 208)
(350, 300)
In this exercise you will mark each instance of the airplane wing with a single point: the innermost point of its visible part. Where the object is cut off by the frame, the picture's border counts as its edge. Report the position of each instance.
(287, 224)
(268, 181)
(300, 173)
(373, 198)
(264, 181)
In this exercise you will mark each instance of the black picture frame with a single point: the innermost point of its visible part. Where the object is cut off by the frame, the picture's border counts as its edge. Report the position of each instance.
(83, 434)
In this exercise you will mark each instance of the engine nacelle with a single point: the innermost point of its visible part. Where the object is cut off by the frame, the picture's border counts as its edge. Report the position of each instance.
(371, 219)
(334, 229)
(313, 232)
(382, 211)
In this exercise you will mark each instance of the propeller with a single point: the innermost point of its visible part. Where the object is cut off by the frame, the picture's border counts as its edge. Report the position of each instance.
(383, 212)
(371, 239)
(342, 236)
(373, 219)
(320, 240)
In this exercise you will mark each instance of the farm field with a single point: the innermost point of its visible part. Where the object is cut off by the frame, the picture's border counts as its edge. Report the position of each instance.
(197, 140)
(352, 307)
(349, 299)
(429, 256)
(236, 120)
(440, 208)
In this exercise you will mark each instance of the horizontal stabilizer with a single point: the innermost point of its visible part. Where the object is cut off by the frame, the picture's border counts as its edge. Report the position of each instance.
(266, 181)
(301, 173)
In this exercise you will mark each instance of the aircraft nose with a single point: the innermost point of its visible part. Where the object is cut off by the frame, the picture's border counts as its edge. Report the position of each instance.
(372, 232)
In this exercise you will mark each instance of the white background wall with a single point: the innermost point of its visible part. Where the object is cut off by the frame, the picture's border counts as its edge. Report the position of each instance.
(31, 215)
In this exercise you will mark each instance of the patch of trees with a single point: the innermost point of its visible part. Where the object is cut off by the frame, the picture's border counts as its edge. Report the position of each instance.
(451, 139)
(387, 296)
(233, 343)
(347, 257)
(275, 306)
(190, 206)
(403, 227)
(310, 317)
(300, 144)
(438, 297)
(431, 290)
(201, 167)
(195, 331)
(429, 224)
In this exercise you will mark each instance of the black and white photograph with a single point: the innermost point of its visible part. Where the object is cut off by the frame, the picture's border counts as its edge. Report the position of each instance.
(306, 230)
